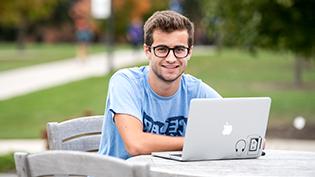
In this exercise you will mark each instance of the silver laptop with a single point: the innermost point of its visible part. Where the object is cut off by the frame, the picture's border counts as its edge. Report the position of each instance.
(223, 128)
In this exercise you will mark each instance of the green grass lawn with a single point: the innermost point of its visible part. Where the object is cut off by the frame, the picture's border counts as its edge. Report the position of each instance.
(7, 163)
(26, 116)
(11, 58)
(235, 73)
(231, 72)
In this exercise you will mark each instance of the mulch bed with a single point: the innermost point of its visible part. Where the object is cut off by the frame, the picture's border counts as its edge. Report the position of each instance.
(289, 132)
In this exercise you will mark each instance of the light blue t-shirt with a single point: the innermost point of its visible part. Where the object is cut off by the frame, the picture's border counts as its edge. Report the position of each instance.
(130, 93)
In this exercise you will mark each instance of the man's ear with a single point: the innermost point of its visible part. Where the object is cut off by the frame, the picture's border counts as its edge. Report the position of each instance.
(190, 52)
(147, 51)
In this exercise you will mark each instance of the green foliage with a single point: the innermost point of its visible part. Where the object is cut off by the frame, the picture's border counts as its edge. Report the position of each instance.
(16, 12)
(274, 24)
(189, 7)
(6, 163)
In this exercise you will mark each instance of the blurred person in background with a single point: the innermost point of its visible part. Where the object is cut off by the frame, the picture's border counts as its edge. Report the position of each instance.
(135, 33)
(81, 15)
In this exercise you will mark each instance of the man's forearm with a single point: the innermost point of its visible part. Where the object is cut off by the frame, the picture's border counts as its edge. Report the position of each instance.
(138, 142)
(148, 142)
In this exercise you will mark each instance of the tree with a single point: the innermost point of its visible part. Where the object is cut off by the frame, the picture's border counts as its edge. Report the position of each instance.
(189, 10)
(127, 10)
(20, 14)
(274, 24)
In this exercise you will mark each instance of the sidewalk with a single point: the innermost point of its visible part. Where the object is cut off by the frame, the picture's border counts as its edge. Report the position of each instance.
(22, 81)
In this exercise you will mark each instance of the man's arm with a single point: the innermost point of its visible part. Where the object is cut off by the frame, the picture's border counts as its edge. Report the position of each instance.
(138, 142)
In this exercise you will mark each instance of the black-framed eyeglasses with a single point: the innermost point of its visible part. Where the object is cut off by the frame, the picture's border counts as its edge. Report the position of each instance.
(162, 51)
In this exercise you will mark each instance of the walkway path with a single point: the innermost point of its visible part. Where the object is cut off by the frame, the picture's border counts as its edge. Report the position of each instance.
(29, 79)
(22, 81)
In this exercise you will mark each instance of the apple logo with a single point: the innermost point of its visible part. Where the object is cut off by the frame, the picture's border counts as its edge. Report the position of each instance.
(227, 129)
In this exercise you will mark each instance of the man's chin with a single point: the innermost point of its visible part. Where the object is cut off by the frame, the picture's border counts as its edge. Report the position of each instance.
(167, 77)
(170, 79)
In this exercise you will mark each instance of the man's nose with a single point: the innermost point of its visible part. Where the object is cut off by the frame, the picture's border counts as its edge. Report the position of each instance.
(171, 57)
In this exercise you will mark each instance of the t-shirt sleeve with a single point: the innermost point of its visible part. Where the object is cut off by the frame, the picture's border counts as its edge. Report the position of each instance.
(205, 91)
(124, 96)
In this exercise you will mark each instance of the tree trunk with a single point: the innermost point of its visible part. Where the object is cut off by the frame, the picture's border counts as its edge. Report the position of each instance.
(298, 71)
(21, 36)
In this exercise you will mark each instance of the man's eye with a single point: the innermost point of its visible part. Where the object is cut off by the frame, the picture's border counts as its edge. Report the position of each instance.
(180, 49)
(162, 49)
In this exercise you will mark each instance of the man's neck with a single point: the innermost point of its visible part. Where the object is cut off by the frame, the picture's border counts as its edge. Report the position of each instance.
(163, 88)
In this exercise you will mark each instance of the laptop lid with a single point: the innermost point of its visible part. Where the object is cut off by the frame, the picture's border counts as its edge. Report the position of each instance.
(224, 128)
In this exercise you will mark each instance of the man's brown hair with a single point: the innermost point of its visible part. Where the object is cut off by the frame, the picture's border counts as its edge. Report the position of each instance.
(167, 21)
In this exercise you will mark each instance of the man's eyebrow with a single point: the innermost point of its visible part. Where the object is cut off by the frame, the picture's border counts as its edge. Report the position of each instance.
(163, 45)
(181, 46)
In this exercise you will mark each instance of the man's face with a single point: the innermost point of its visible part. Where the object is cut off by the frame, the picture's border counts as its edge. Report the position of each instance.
(169, 68)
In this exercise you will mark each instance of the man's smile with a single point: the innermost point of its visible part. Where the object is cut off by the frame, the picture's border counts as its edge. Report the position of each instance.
(170, 66)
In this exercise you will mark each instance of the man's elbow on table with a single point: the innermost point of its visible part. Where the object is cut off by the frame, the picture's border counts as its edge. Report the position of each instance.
(136, 148)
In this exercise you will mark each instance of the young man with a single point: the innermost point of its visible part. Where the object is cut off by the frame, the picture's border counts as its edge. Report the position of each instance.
(147, 107)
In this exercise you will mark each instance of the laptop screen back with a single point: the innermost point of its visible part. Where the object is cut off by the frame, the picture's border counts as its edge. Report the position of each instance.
(226, 128)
